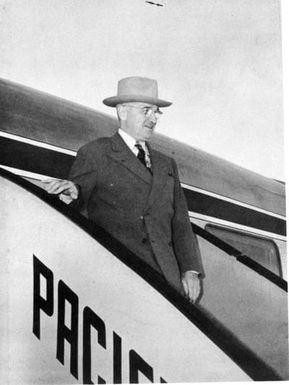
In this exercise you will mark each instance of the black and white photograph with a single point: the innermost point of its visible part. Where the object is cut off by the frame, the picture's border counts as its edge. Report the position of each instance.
(143, 191)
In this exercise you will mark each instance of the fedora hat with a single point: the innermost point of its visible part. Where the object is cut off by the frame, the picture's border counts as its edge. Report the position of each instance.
(136, 89)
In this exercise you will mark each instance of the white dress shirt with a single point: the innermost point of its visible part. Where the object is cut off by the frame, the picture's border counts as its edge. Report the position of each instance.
(130, 141)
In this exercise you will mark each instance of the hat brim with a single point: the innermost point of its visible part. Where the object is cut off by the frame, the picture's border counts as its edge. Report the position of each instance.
(115, 100)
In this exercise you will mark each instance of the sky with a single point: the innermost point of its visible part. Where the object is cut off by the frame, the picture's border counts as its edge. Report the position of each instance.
(218, 61)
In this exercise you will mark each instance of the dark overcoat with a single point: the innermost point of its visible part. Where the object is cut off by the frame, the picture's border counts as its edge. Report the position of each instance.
(147, 213)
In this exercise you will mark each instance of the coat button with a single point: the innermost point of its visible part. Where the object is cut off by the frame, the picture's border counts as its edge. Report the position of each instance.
(144, 240)
(141, 217)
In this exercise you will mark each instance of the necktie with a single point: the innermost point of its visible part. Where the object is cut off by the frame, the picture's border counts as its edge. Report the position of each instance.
(142, 157)
(141, 154)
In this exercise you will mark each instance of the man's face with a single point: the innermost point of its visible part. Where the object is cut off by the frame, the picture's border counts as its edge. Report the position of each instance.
(141, 119)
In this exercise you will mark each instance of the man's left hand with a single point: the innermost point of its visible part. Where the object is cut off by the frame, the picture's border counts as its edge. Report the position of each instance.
(191, 285)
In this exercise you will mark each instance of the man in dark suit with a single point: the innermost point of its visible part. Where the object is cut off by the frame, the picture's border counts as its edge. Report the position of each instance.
(133, 191)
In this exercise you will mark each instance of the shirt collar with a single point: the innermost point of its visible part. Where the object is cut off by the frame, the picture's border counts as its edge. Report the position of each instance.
(129, 140)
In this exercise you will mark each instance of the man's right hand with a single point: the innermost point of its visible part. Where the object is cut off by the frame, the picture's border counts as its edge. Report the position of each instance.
(66, 189)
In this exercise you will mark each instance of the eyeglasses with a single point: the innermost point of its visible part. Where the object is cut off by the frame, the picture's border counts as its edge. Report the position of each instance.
(148, 111)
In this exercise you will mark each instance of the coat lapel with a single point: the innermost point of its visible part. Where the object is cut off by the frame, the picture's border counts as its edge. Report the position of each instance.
(122, 154)
(160, 175)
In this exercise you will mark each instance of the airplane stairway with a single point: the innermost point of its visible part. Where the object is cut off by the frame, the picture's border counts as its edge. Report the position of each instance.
(78, 307)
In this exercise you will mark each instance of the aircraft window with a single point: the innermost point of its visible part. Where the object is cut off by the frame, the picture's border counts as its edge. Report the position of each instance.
(262, 250)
